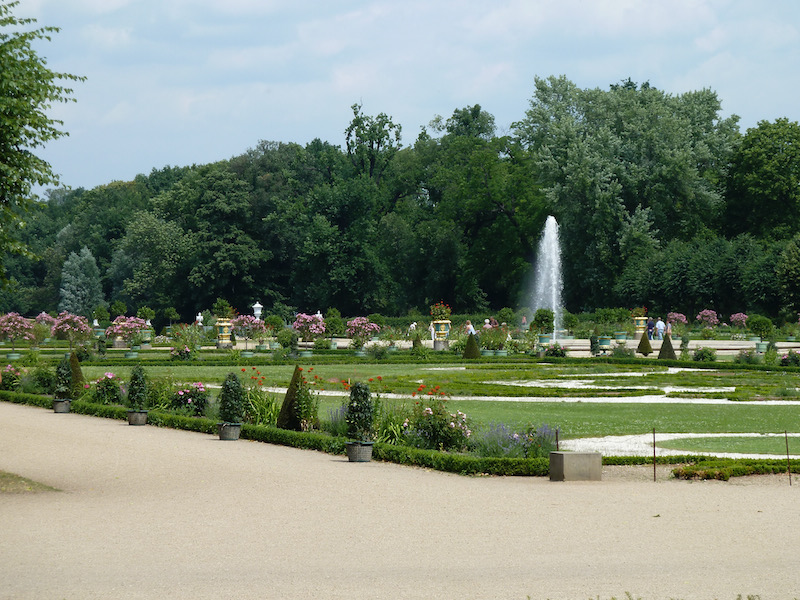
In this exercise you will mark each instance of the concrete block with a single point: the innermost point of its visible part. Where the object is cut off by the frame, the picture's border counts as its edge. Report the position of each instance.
(576, 466)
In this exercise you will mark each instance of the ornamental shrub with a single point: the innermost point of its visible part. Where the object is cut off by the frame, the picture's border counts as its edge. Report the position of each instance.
(432, 426)
(760, 326)
(790, 359)
(667, 351)
(287, 338)
(644, 347)
(11, 378)
(360, 415)
(334, 324)
(555, 350)
(231, 400)
(137, 389)
(76, 386)
(704, 355)
(107, 390)
(471, 349)
(543, 320)
(739, 320)
(498, 440)
(708, 317)
(192, 400)
(309, 326)
(63, 389)
(299, 409)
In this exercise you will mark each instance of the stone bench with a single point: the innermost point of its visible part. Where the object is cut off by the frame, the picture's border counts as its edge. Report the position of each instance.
(575, 466)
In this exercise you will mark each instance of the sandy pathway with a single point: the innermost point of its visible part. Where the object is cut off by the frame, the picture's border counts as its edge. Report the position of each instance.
(156, 513)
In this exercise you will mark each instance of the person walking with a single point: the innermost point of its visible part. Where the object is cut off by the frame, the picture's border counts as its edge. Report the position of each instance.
(650, 326)
(660, 327)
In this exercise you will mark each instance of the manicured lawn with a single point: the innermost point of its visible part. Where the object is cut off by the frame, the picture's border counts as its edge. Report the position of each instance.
(744, 445)
(573, 419)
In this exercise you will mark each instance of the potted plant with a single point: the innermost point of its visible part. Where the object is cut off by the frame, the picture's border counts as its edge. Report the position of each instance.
(359, 417)
(248, 327)
(74, 328)
(63, 389)
(359, 330)
(440, 314)
(42, 328)
(137, 397)
(129, 329)
(14, 326)
(231, 408)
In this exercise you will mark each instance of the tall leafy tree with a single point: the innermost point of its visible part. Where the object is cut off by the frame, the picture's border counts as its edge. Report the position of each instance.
(27, 91)
(81, 291)
(764, 183)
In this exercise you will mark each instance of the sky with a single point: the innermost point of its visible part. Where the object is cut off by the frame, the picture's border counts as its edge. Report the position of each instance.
(182, 82)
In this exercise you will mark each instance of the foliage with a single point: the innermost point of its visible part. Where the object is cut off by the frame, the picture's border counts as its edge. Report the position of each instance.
(739, 320)
(248, 327)
(309, 326)
(137, 388)
(287, 338)
(232, 400)
(107, 390)
(186, 340)
(360, 329)
(81, 290)
(707, 317)
(11, 378)
(334, 324)
(29, 89)
(440, 311)
(146, 313)
(75, 328)
(543, 320)
(677, 318)
(499, 440)
(432, 426)
(747, 357)
(63, 387)
(14, 326)
(76, 377)
(555, 350)
(128, 328)
(761, 326)
(667, 352)
(191, 400)
(222, 309)
(644, 348)
(471, 350)
(790, 359)
(260, 406)
(360, 414)
(299, 409)
(704, 355)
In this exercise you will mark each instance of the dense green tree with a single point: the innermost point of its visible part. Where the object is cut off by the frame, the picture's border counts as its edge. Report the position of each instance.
(27, 91)
(603, 155)
(81, 291)
(764, 184)
(788, 275)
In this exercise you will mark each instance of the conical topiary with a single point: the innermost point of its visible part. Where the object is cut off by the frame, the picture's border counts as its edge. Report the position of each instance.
(360, 413)
(288, 417)
(417, 342)
(471, 350)
(644, 345)
(231, 400)
(76, 390)
(667, 352)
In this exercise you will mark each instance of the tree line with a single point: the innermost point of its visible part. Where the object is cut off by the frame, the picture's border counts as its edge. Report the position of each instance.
(661, 202)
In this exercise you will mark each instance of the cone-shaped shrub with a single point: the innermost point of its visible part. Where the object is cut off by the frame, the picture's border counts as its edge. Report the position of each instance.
(288, 417)
(137, 389)
(231, 400)
(417, 343)
(77, 377)
(644, 345)
(667, 352)
(471, 350)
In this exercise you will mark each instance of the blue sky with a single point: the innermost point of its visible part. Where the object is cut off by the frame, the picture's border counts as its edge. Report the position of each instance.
(181, 82)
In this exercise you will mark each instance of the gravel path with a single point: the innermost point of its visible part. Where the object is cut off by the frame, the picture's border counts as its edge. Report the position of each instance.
(156, 513)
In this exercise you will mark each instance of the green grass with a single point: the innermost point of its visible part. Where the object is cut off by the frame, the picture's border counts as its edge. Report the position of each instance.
(14, 484)
(741, 445)
(460, 379)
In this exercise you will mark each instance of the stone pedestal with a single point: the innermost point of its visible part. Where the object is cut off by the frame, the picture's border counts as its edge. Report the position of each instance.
(575, 466)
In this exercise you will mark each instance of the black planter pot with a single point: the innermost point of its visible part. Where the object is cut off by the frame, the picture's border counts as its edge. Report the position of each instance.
(61, 405)
(229, 431)
(137, 417)
(359, 451)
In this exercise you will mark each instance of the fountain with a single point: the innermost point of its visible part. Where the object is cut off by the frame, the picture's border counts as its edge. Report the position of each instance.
(548, 281)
